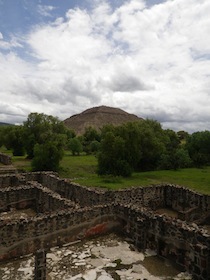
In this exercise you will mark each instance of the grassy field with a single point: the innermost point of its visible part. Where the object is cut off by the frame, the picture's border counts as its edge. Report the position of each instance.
(196, 179)
(82, 170)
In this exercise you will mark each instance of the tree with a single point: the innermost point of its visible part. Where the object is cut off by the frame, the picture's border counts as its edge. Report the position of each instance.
(16, 141)
(90, 135)
(183, 158)
(45, 139)
(182, 135)
(198, 146)
(131, 146)
(12, 138)
(151, 144)
(130, 132)
(111, 159)
(169, 159)
(39, 128)
(95, 146)
(4, 132)
(140, 146)
(47, 156)
(75, 146)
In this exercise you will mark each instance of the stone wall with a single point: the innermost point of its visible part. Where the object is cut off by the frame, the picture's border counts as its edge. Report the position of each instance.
(171, 196)
(55, 229)
(11, 180)
(14, 197)
(33, 195)
(190, 204)
(5, 159)
(186, 244)
(68, 212)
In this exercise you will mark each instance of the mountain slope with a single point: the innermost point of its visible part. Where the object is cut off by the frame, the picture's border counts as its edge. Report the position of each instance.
(4, 124)
(97, 117)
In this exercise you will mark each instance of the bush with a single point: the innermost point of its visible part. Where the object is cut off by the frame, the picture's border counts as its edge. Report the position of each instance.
(46, 157)
(75, 146)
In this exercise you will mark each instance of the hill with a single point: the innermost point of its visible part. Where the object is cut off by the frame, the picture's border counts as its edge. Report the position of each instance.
(4, 124)
(97, 117)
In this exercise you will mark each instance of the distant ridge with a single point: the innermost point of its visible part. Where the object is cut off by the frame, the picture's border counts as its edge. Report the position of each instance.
(4, 124)
(97, 117)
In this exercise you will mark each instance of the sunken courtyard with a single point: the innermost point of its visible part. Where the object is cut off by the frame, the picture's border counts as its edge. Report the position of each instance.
(169, 219)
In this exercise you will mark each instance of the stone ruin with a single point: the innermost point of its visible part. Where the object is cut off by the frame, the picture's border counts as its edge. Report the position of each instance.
(5, 159)
(172, 220)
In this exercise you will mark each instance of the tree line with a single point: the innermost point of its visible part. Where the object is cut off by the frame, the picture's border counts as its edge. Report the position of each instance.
(120, 150)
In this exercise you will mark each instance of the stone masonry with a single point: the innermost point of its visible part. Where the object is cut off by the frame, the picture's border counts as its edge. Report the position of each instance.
(5, 159)
(66, 212)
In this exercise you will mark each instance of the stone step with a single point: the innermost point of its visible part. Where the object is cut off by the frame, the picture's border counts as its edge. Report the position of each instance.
(7, 169)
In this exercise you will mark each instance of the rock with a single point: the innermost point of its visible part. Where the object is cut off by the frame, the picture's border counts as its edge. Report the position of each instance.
(90, 275)
(105, 276)
(53, 257)
(137, 268)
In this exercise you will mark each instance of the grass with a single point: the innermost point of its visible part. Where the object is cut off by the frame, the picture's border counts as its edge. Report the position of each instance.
(21, 163)
(77, 166)
(196, 179)
(82, 170)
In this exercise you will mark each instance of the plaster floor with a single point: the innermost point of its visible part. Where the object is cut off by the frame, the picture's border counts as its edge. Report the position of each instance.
(104, 258)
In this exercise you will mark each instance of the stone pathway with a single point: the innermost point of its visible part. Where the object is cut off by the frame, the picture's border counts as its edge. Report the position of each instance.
(104, 258)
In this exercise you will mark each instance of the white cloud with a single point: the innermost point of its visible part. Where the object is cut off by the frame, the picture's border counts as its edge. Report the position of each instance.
(7, 45)
(151, 61)
(45, 10)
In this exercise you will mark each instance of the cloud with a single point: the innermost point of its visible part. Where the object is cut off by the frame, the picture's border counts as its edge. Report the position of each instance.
(45, 10)
(151, 61)
(7, 45)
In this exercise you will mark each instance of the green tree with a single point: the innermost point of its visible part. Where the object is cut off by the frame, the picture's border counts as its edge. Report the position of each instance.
(39, 128)
(111, 159)
(90, 135)
(47, 156)
(132, 146)
(95, 146)
(183, 158)
(182, 135)
(4, 132)
(169, 159)
(45, 139)
(140, 146)
(12, 138)
(198, 146)
(75, 146)
(151, 144)
(15, 140)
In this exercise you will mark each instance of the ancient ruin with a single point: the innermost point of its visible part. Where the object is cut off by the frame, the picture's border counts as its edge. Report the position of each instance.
(5, 159)
(172, 220)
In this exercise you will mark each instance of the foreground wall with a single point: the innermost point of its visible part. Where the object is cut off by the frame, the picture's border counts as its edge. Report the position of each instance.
(45, 231)
(68, 212)
(186, 244)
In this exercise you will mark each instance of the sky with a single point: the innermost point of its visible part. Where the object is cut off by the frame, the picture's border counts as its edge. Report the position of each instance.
(150, 58)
